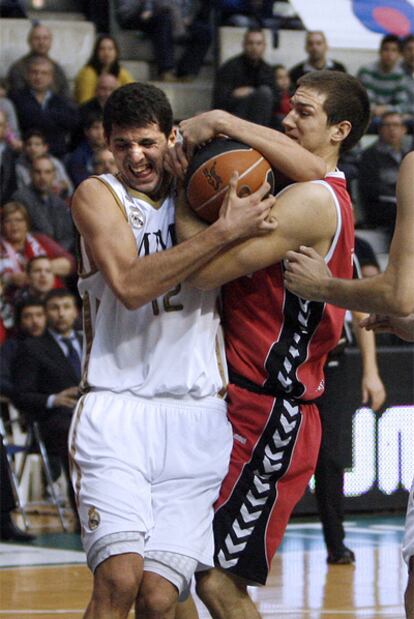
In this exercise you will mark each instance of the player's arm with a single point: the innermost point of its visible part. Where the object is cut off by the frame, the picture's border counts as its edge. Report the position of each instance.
(391, 292)
(373, 390)
(305, 210)
(137, 280)
(283, 153)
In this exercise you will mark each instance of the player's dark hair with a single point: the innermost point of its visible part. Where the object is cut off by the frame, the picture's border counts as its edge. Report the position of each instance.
(390, 38)
(346, 99)
(138, 105)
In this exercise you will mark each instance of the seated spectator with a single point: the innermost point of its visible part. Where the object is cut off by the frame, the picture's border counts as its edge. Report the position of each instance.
(38, 108)
(245, 85)
(407, 66)
(284, 87)
(13, 129)
(385, 81)
(103, 162)
(8, 182)
(104, 59)
(316, 47)
(40, 42)
(48, 371)
(48, 213)
(40, 279)
(30, 321)
(159, 19)
(378, 171)
(105, 86)
(34, 144)
(18, 245)
(79, 162)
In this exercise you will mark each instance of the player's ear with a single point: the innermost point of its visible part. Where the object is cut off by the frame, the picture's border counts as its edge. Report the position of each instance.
(341, 131)
(172, 138)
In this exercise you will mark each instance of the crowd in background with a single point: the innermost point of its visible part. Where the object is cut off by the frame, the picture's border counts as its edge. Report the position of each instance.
(52, 138)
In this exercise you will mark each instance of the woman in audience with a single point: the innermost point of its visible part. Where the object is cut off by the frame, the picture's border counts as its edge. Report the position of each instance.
(104, 59)
(18, 245)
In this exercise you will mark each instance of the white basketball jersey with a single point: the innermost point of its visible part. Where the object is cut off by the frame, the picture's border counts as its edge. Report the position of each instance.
(170, 347)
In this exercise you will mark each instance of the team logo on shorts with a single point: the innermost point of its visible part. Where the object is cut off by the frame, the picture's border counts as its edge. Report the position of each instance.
(94, 518)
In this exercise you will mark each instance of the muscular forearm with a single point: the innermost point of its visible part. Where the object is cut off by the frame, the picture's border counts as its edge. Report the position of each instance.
(283, 153)
(366, 344)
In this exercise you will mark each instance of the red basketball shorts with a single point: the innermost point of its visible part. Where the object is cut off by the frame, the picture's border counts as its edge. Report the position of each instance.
(275, 450)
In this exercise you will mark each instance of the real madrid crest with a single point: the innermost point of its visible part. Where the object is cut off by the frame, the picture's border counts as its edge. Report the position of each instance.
(136, 217)
(94, 518)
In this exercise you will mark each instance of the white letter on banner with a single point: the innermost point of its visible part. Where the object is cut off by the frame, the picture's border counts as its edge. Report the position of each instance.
(361, 477)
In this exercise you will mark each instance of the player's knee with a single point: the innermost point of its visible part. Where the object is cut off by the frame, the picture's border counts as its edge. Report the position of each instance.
(120, 586)
(157, 602)
(210, 585)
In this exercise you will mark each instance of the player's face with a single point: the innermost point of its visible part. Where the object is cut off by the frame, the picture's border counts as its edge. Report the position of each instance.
(139, 156)
(307, 122)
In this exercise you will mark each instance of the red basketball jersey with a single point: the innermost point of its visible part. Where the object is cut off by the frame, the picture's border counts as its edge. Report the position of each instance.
(277, 341)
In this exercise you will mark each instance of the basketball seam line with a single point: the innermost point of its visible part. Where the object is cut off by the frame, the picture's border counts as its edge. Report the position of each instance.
(216, 195)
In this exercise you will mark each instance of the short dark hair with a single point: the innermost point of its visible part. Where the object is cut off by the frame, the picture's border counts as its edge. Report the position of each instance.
(390, 38)
(31, 301)
(346, 99)
(92, 117)
(138, 105)
(59, 293)
(34, 133)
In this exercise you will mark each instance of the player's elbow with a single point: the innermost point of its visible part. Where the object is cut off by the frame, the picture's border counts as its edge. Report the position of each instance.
(403, 304)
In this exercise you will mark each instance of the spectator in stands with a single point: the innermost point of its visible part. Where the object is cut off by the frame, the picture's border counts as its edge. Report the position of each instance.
(103, 162)
(158, 19)
(30, 321)
(48, 371)
(250, 14)
(385, 81)
(48, 213)
(79, 162)
(40, 42)
(38, 107)
(18, 245)
(105, 86)
(245, 84)
(13, 129)
(40, 279)
(316, 47)
(284, 87)
(104, 59)
(34, 144)
(8, 182)
(407, 66)
(378, 171)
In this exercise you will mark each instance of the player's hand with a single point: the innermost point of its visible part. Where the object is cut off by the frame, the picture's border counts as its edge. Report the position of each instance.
(200, 129)
(176, 162)
(373, 391)
(305, 272)
(247, 216)
(380, 323)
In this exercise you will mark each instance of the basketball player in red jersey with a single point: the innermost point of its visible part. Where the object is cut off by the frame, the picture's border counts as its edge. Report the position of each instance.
(277, 343)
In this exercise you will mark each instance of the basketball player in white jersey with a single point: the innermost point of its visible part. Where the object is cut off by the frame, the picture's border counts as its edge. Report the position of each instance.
(150, 440)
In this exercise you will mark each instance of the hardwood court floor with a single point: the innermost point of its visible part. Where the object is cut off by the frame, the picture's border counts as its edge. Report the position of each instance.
(48, 578)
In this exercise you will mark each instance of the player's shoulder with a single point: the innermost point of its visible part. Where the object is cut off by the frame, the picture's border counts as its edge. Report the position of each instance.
(310, 191)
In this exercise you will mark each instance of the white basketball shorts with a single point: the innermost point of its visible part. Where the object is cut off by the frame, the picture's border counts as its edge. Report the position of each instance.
(147, 473)
(408, 543)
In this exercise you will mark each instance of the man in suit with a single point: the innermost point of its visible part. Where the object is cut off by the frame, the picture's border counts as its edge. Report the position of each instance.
(38, 107)
(48, 370)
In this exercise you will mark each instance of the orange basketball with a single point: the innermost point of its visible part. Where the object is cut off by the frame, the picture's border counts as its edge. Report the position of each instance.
(211, 168)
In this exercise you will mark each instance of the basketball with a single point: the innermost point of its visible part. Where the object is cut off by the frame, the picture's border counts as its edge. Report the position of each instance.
(210, 170)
